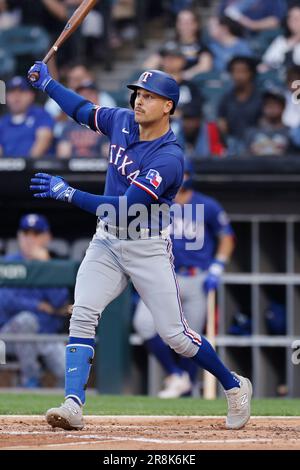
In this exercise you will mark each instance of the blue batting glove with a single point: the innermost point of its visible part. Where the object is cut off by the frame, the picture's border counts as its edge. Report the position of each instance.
(213, 278)
(44, 74)
(54, 187)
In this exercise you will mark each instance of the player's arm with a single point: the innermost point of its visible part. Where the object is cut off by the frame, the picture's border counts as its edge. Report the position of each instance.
(57, 9)
(42, 142)
(11, 303)
(221, 227)
(55, 187)
(225, 247)
(74, 105)
(64, 149)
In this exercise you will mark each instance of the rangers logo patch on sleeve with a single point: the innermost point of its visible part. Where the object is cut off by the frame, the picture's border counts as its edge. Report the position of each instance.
(154, 177)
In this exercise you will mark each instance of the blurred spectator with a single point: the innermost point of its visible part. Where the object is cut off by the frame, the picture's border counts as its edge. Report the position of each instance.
(26, 130)
(8, 18)
(240, 108)
(34, 310)
(77, 73)
(188, 37)
(284, 51)
(271, 136)
(255, 15)
(177, 5)
(202, 139)
(124, 22)
(79, 141)
(51, 15)
(225, 41)
(174, 62)
(291, 115)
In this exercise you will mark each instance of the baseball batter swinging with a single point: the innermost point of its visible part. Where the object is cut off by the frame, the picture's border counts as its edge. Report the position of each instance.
(145, 168)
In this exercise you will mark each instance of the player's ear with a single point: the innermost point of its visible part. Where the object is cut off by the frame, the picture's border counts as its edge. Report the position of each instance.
(168, 106)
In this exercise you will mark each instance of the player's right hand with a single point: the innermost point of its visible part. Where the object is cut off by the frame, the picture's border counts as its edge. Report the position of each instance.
(54, 187)
(44, 76)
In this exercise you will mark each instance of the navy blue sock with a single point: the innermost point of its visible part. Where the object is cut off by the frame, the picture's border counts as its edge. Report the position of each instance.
(89, 341)
(189, 366)
(207, 358)
(163, 354)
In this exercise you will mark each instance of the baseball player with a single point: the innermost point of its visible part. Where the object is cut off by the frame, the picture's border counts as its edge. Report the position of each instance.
(197, 271)
(145, 172)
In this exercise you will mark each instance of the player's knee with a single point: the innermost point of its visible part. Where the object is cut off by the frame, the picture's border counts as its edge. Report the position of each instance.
(25, 322)
(84, 322)
(145, 329)
(181, 344)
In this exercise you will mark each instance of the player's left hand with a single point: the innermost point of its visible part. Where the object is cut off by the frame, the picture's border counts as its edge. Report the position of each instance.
(213, 278)
(44, 75)
(54, 187)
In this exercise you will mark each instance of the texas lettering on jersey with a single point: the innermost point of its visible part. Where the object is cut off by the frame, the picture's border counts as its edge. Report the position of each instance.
(123, 163)
(155, 166)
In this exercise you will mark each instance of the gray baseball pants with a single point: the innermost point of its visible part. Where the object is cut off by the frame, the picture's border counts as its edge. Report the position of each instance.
(104, 273)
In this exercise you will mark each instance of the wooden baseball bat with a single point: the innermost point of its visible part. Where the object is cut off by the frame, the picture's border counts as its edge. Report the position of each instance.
(210, 382)
(71, 26)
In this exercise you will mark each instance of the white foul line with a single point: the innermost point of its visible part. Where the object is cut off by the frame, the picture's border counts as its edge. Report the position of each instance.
(145, 440)
(139, 417)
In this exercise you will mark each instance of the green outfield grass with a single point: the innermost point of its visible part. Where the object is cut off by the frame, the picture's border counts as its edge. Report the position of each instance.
(12, 404)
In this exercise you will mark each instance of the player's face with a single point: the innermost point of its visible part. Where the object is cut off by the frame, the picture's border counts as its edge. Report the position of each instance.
(241, 74)
(77, 75)
(173, 64)
(293, 20)
(186, 24)
(90, 95)
(273, 109)
(29, 240)
(150, 107)
(18, 101)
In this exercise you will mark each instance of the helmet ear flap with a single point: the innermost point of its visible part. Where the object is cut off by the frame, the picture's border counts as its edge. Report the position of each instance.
(133, 98)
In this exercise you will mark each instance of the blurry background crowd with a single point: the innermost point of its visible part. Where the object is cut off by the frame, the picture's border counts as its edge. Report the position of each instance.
(237, 62)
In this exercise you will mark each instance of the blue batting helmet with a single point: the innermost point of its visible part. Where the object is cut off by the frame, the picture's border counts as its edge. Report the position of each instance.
(157, 82)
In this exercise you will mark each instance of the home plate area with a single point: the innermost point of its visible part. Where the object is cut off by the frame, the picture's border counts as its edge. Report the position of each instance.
(150, 433)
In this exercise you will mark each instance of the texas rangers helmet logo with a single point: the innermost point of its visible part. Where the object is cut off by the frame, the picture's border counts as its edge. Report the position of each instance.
(146, 75)
(154, 177)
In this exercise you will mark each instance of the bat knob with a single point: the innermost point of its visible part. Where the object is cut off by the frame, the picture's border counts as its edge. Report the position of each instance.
(34, 76)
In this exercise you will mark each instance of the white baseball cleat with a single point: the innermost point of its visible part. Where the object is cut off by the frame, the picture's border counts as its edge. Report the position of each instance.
(239, 401)
(176, 385)
(68, 416)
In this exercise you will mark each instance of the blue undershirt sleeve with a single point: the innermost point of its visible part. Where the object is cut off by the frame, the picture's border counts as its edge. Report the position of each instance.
(90, 202)
(70, 102)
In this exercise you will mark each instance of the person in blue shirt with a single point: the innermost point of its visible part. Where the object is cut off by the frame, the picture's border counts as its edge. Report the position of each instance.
(132, 240)
(225, 42)
(34, 310)
(27, 129)
(255, 15)
(198, 271)
(78, 141)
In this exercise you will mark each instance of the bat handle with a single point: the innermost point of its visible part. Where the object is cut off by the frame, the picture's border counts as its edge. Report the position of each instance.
(34, 77)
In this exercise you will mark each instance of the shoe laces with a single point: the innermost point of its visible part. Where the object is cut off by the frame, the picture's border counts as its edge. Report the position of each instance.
(70, 407)
(233, 401)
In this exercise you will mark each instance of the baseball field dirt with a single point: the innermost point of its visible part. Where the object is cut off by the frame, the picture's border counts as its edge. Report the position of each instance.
(127, 422)
(151, 433)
